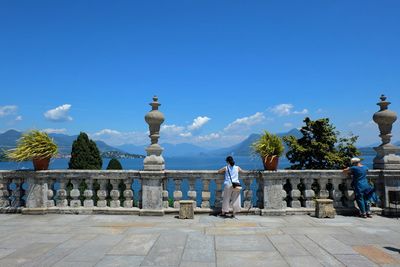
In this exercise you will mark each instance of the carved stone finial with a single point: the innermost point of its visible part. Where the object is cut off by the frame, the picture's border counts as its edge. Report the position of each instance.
(385, 158)
(154, 118)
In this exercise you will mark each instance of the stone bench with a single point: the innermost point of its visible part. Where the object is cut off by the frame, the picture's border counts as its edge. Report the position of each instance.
(324, 208)
(186, 209)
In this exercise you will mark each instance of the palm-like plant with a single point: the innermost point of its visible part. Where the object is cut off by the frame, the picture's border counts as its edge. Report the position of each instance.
(33, 145)
(269, 147)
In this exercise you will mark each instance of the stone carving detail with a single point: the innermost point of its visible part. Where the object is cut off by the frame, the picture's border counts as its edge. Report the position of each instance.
(154, 161)
(386, 157)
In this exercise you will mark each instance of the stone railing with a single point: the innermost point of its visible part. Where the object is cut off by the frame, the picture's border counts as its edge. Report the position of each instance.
(159, 192)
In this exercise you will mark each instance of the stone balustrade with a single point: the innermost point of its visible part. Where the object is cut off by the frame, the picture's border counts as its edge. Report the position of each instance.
(158, 192)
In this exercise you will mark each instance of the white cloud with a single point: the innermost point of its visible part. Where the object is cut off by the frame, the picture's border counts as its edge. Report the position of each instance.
(116, 138)
(198, 123)
(302, 112)
(58, 131)
(286, 110)
(288, 124)
(59, 114)
(18, 118)
(171, 129)
(282, 109)
(245, 122)
(188, 134)
(7, 110)
(208, 137)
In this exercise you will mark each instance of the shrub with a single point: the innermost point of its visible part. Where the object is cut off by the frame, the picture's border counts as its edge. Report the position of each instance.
(85, 155)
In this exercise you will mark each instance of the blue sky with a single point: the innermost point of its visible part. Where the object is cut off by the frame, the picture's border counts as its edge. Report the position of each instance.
(222, 69)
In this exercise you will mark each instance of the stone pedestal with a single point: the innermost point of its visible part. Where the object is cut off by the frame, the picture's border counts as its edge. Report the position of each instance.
(36, 201)
(386, 157)
(186, 210)
(324, 208)
(152, 201)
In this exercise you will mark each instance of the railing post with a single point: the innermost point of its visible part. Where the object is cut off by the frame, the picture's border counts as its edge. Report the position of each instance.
(152, 201)
(36, 201)
(273, 194)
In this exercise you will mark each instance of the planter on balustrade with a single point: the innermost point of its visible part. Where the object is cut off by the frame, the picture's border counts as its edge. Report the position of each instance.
(270, 163)
(41, 164)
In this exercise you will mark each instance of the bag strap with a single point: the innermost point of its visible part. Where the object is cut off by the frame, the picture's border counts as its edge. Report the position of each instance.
(227, 168)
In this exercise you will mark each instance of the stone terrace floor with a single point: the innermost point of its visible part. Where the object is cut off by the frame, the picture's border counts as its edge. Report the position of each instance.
(108, 240)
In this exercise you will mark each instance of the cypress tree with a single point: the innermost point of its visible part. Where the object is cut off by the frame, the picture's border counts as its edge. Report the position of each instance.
(85, 155)
(320, 147)
(114, 164)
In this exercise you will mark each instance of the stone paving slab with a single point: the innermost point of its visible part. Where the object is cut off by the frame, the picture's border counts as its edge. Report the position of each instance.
(209, 241)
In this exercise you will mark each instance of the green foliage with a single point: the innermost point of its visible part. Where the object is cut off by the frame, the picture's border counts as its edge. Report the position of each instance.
(33, 144)
(320, 147)
(268, 145)
(85, 155)
(114, 164)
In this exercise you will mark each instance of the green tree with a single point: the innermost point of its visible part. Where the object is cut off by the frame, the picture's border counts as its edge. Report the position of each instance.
(320, 147)
(114, 164)
(85, 155)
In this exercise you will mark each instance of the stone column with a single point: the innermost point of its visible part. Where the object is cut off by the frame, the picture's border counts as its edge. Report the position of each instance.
(36, 201)
(154, 161)
(154, 165)
(386, 157)
(152, 189)
(274, 194)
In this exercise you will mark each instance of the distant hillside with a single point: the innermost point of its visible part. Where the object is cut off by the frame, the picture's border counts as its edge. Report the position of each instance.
(243, 148)
(170, 150)
(64, 142)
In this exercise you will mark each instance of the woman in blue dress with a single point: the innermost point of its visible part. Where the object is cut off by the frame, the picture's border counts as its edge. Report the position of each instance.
(363, 190)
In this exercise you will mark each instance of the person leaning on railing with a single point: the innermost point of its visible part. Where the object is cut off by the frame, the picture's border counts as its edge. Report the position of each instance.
(231, 193)
(365, 194)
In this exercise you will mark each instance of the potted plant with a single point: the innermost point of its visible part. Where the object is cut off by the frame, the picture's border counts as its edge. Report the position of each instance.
(269, 147)
(36, 146)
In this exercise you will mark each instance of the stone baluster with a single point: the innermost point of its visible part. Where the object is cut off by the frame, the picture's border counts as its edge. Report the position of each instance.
(177, 192)
(324, 193)
(4, 194)
(309, 194)
(15, 196)
(50, 193)
(260, 192)
(218, 193)
(88, 194)
(205, 194)
(284, 196)
(295, 193)
(115, 194)
(247, 194)
(128, 193)
(75, 194)
(192, 194)
(61, 193)
(165, 194)
(102, 194)
(337, 193)
(349, 193)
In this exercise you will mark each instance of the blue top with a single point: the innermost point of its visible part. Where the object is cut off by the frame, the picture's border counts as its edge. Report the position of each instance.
(360, 181)
(234, 171)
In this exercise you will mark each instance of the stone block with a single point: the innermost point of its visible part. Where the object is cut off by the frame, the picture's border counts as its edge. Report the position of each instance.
(186, 210)
(324, 208)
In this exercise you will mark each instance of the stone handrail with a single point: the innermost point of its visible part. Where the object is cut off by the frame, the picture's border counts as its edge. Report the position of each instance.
(157, 192)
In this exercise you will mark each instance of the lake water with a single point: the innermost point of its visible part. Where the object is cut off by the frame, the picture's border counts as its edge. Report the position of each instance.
(176, 163)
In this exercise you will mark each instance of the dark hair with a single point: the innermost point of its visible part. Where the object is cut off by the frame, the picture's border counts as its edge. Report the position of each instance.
(230, 160)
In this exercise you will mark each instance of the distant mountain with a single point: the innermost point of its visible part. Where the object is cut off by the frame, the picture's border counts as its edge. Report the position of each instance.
(243, 148)
(170, 150)
(9, 139)
(64, 142)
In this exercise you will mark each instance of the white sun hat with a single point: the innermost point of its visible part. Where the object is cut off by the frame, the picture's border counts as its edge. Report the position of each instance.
(355, 160)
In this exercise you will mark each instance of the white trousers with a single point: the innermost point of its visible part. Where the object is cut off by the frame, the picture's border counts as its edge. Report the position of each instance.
(230, 198)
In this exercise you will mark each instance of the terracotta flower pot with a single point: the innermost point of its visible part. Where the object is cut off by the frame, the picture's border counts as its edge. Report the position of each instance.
(41, 164)
(271, 163)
